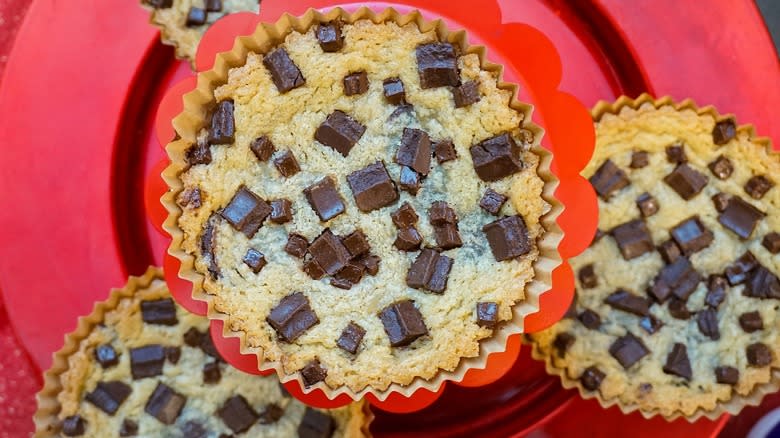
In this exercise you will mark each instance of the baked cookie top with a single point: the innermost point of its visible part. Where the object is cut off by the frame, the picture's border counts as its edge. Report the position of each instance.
(364, 204)
(150, 369)
(182, 23)
(677, 299)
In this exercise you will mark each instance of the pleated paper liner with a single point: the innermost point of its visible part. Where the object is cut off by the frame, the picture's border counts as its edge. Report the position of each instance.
(151, 285)
(737, 402)
(192, 119)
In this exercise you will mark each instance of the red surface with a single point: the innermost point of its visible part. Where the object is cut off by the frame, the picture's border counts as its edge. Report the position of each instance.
(72, 185)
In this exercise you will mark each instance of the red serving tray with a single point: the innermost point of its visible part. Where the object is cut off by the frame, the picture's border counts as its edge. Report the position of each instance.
(76, 112)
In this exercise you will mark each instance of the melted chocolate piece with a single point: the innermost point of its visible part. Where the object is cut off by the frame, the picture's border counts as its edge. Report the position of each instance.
(192, 337)
(316, 424)
(394, 91)
(286, 164)
(492, 201)
(716, 291)
(675, 154)
(128, 428)
(208, 347)
(508, 237)
(341, 283)
(437, 65)
(669, 251)
(441, 273)
(447, 236)
(246, 212)
(372, 187)
(421, 270)
(405, 216)
(223, 125)
(707, 321)
(639, 159)
(351, 338)
(284, 73)
(408, 239)
(628, 350)
(263, 148)
(444, 151)
(686, 181)
(651, 324)
(415, 151)
(738, 272)
(313, 269)
(162, 312)
(587, 276)
(106, 356)
(409, 180)
(196, 17)
(329, 252)
(255, 260)
(108, 396)
(340, 132)
(329, 36)
(608, 179)
(208, 244)
(757, 186)
(324, 199)
(281, 211)
(724, 131)
(313, 373)
(190, 198)
(371, 263)
(199, 153)
(356, 244)
(211, 373)
(355, 83)
(562, 342)
(628, 302)
(165, 404)
(691, 235)
(271, 414)
(763, 284)
(678, 309)
(496, 157)
(772, 242)
(173, 354)
(591, 378)
(296, 245)
(677, 362)
(292, 317)
(403, 323)
(440, 213)
(758, 355)
(213, 5)
(590, 319)
(648, 205)
(633, 238)
(352, 273)
(727, 375)
(487, 314)
(147, 361)
(722, 167)
(721, 201)
(237, 414)
(73, 425)
(194, 429)
(751, 321)
(466, 94)
(740, 217)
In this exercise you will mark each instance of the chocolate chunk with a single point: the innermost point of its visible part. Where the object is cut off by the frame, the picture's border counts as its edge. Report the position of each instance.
(325, 199)
(296, 245)
(437, 65)
(678, 309)
(313, 373)
(190, 198)
(724, 131)
(405, 216)
(628, 350)
(772, 242)
(108, 396)
(329, 36)
(165, 404)
(371, 263)
(508, 237)
(496, 157)
(639, 159)
(356, 244)
(403, 323)
(341, 283)
(286, 164)
(763, 284)
(492, 201)
(313, 269)
(686, 181)
(444, 151)
(598, 236)
(208, 243)
(757, 186)
(237, 414)
(128, 428)
(633, 238)
(355, 83)
(441, 273)
(159, 4)
(281, 211)
(727, 375)
(73, 425)
(740, 217)
(196, 17)
(351, 337)
(590, 319)
(721, 167)
(447, 236)
(284, 73)
(758, 355)
(691, 235)
(106, 356)
(394, 91)
(651, 324)
(440, 213)
(292, 317)
(316, 424)
(255, 260)
(487, 314)
(351, 273)
(422, 269)
(199, 153)
(466, 94)
(271, 414)
(372, 187)
(173, 354)
(751, 321)
(208, 347)
(246, 212)
(340, 132)
(707, 320)
(194, 429)
(415, 151)
(211, 373)
(675, 154)
(329, 252)
(648, 205)
(740, 270)
(624, 300)
(587, 276)
(162, 312)
(608, 179)
(591, 378)
(193, 337)
(223, 125)
(409, 180)
(670, 252)
(716, 291)
(147, 361)
(677, 362)
(263, 148)
(214, 5)
(721, 201)
(408, 239)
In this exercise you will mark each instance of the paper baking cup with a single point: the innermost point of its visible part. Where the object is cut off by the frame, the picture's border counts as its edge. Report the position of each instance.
(152, 285)
(193, 118)
(734, 405)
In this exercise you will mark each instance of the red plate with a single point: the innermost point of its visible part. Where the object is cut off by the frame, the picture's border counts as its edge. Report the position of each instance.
(76, 118)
